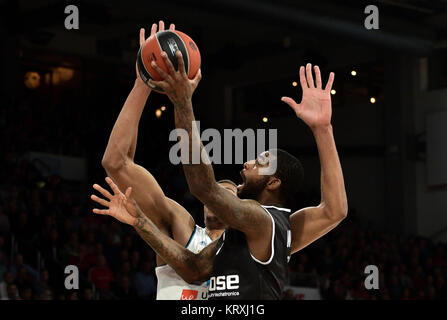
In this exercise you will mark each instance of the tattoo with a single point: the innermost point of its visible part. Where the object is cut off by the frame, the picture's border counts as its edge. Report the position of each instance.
(190, 266)
(244, 215)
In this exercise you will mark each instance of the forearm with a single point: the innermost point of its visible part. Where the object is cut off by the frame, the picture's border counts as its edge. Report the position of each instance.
(123, 139)
(191, 267)
(198, 170)
(202, 183)
(333, 193)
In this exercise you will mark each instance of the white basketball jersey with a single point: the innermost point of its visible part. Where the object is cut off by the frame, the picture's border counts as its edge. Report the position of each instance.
(171, 286)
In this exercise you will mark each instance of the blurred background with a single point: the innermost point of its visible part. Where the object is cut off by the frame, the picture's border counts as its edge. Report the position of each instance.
(61, 91)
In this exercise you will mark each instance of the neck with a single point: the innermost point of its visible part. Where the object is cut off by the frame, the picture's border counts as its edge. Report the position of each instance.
(267, 199)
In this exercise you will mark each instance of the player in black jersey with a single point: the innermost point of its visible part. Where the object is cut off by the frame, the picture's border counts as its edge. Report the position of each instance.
(249, 261)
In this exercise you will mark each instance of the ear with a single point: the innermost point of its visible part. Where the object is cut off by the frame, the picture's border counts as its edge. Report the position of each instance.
(273, 183)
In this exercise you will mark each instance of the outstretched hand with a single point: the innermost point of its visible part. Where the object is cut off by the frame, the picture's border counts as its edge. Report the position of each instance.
(119, 205)
(161, 27)
(315, 108)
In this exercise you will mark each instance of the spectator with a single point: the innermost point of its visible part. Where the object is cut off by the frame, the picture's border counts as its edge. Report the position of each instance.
(23, 279)
(8, 278)
(145, 281)
(87, 294)
(26, 293)
(14, 268)
(124, 290)
(13, 293)
(73, 296)
(101, 275)
(47, 294)
(43, 283)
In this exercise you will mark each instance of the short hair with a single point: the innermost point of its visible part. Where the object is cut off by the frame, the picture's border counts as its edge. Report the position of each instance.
(291, 173)
(227, 181)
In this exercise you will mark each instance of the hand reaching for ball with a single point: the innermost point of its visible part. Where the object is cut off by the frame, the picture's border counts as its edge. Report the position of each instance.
(161, 27)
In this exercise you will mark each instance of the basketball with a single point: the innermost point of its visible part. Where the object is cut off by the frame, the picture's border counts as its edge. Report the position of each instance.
(168, 41)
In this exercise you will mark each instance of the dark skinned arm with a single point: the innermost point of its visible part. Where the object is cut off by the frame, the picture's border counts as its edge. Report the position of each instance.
(245, 215)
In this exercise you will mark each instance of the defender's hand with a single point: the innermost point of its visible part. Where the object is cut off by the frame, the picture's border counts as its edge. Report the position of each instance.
(120, 206)
(315, 108)
(176, 84)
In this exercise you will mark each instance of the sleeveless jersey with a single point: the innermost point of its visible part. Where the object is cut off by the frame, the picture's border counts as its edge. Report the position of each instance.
(238, 275)
(171, 286)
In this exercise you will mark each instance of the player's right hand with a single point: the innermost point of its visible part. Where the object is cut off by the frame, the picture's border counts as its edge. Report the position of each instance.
(120, 206)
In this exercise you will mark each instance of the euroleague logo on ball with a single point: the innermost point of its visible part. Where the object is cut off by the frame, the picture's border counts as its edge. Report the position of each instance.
(193, 45)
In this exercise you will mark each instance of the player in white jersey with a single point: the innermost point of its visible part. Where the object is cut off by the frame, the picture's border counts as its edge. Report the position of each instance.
(170, 285)
(169, 216)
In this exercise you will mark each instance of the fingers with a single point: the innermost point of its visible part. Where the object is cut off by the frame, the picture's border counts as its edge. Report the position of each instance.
(330, 82)
(303, 79)
(310, 79)
(289, 101)
(307, 81)
(153, 29)
(142, 37)
(101, 211)
(100, 200)
(160, 71)
(197, 78)
(159, 84)
(113, 186)
(161, 25)
(317, 77)
(181, 63)
(103, 191)
(168, 63)
(172, 27)
(128, 192)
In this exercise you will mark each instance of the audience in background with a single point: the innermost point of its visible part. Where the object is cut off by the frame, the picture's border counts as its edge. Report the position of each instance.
(46, 222)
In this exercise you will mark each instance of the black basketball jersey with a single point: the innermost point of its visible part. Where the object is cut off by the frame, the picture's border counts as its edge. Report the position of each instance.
(237, 275)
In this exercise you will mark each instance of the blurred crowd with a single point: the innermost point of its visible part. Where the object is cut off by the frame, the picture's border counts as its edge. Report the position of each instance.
(409, 267)
(46, 222)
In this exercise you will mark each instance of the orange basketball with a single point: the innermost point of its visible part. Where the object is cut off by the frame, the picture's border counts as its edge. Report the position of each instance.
(169, 41)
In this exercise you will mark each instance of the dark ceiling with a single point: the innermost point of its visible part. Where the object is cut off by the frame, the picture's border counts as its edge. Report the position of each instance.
(413, 25)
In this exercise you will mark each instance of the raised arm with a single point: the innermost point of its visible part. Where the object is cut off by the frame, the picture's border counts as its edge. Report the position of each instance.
(118, 161)
(245, 215)
(190, 266)
(315, 110)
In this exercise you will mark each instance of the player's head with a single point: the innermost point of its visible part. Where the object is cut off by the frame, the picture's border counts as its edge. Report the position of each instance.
(211, 221)
(274, 172)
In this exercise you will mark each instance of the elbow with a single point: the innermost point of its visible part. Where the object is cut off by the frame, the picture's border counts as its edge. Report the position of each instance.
(343, 213)
(191, 278)
(337, 213)
(112, 164)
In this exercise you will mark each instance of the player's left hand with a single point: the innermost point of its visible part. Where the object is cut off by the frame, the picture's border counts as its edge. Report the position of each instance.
(315, 108)
(119, 205)
(176, 84)
(154, 29)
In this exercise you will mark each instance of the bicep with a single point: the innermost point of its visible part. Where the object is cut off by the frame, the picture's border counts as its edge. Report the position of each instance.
(308, 225)
(244, 215)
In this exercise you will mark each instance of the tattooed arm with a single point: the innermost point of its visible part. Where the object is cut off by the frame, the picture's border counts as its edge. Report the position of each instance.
(245, 215)
(190, 266)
